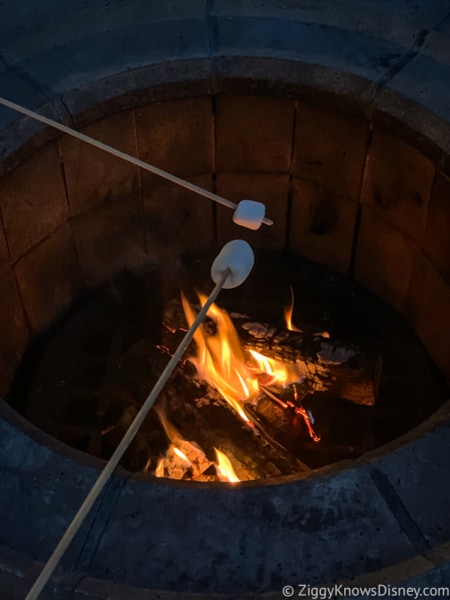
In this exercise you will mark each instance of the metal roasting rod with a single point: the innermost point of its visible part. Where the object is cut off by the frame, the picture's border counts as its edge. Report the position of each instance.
(127, 157)
(98, 486)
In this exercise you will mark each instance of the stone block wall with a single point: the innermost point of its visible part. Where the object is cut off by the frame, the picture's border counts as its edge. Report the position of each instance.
(341, 189)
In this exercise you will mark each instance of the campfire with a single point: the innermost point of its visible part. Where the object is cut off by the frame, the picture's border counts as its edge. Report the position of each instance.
(265, 390)
(262, 391)
(220, 361)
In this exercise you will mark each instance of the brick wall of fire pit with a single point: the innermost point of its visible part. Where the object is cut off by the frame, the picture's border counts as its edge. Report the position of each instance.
(342, 191)
(334, 113)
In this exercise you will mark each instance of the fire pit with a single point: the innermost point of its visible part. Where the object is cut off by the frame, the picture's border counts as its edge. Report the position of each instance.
(318, 372)
(339, 443)
(255, 391)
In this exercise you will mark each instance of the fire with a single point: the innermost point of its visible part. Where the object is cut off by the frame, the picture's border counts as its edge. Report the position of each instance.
(288, 315)
(276, 372)
(182, 458)
(170, 466)
(288, 311)
(221, 361)
(159, 471)
(182, 455)
(224, 468)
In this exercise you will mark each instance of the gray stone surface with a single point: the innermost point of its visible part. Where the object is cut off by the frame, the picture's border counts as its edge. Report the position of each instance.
(253, 538)
(337, 48)
(82, 60)
(63, 52)
(425, 77)
(381, 18)
(90, 42)
(15, 583)
(24, 25)
(339, 523)
(15, 87)
(418, 473)
(39, 493)
(17, 131)
(139, 87)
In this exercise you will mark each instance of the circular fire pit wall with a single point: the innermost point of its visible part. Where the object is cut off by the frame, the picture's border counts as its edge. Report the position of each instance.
(359, 199)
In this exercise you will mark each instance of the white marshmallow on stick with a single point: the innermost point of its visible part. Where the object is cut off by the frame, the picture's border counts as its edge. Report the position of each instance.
(237, 257)
(249, 214)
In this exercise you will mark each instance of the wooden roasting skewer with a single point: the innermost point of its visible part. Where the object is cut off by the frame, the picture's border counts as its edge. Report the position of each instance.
(110, 466)
(134, 161)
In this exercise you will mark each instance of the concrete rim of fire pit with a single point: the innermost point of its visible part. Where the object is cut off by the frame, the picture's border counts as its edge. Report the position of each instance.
(386, 494)
(384, 514)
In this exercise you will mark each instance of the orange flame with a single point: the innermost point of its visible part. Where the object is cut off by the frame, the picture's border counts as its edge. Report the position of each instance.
(276, 371)
(288, 315)
(182, 455)
(220, 359)
(159, 471)
(224, 468)
(221, 362)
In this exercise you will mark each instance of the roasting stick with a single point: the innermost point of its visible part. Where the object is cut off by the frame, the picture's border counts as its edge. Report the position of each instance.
(230, 268)
(120, 450)
(248, 206)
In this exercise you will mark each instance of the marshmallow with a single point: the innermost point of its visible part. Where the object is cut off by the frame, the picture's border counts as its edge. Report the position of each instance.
(249, 214)
(237, 256)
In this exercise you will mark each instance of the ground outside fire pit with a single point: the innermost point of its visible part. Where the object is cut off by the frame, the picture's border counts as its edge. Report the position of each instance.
(303, 440)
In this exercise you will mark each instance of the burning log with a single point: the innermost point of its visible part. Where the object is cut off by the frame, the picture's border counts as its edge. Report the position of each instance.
(200, 414)
(183, 461)
(357, 381)
(264, 379)
(199, 418)
(345, 372)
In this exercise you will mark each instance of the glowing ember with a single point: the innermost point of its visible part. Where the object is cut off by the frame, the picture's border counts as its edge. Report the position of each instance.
(307, 416)
(224, 468)
(323, 334)
(288, 315)
(220, 361)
